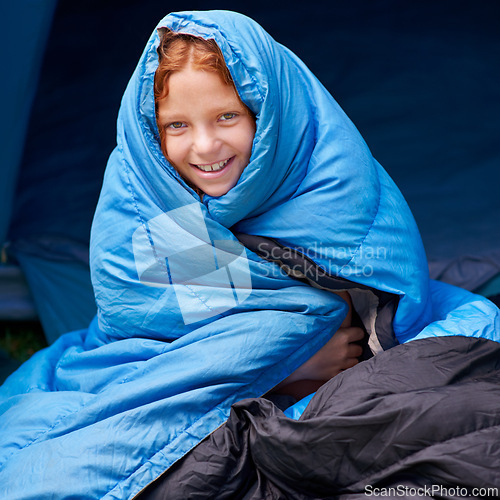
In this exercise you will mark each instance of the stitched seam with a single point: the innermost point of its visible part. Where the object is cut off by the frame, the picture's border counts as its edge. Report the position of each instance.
(46, 431)
(371, 225)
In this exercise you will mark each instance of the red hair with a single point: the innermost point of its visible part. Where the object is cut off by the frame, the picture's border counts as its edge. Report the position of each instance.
(175, 52)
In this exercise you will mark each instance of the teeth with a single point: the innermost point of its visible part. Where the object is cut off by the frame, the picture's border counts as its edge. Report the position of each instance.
(213, 167)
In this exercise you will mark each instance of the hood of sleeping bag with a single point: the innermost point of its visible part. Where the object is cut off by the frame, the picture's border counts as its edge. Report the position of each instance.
(190, 320)
(311, 185)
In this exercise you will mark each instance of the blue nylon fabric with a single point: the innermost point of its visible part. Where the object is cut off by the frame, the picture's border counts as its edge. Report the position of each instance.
(189, 321)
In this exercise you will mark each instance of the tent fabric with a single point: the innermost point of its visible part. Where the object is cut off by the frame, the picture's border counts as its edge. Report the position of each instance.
(190, 321)
(22, 57)
(15, 295)
(472, 272)
(53, 266)
(60, 294)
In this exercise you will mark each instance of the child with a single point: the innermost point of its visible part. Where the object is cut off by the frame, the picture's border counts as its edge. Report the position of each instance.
(208, 189)
(206, 132)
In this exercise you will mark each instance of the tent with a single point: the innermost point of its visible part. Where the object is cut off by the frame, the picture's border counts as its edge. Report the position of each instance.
(420, 81)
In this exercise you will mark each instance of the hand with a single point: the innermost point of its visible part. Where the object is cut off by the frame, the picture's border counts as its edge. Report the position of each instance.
(338, 354)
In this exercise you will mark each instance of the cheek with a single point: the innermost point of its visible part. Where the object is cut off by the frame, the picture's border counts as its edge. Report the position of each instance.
(244, 138)
(174, 149)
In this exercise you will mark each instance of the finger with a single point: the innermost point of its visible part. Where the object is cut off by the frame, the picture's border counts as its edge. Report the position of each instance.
(354, 351)
(349, 363)
(347, 333)
(353, 333)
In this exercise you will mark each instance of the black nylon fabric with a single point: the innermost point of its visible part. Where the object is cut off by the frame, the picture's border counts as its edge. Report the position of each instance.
(425, 413)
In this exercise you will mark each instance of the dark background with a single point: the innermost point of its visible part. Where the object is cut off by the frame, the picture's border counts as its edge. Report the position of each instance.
(419, 79)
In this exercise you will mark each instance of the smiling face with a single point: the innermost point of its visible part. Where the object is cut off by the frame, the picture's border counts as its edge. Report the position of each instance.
(207, 131)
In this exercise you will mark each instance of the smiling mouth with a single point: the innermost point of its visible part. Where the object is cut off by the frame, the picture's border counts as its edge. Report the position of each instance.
(212, 167)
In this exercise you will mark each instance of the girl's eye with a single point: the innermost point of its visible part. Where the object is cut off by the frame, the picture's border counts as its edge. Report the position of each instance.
(176, 125)
(227, 116)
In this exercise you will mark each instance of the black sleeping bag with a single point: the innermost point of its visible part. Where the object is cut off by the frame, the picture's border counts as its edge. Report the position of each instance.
(420, 419)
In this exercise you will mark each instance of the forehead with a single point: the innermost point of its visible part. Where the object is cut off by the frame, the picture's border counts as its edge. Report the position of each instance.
(193, 89)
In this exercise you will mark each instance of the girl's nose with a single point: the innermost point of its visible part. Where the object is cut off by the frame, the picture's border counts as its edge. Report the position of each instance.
(205, 141)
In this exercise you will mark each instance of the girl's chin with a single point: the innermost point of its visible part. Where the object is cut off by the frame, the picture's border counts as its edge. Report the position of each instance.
(215, 192)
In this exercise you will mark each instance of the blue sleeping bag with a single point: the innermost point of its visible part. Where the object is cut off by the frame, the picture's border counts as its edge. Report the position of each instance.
(190, 320)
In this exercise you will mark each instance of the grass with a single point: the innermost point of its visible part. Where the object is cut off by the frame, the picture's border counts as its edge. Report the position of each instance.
(20, 340)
